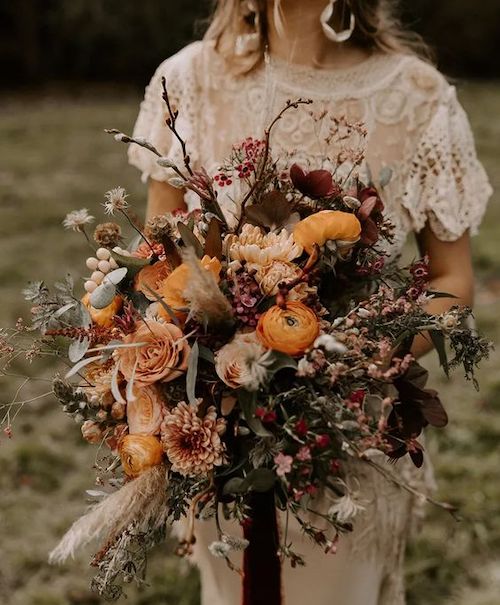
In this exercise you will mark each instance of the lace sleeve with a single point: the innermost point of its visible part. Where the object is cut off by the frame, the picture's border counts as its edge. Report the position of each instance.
(447, 185)
(151, 121)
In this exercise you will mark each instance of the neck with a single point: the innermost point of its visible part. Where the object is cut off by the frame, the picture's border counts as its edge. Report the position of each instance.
(301, 38)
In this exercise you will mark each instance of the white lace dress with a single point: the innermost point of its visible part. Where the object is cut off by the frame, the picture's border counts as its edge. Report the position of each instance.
(416, 128)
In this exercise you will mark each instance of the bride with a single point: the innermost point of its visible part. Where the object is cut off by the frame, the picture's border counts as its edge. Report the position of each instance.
(353, 59)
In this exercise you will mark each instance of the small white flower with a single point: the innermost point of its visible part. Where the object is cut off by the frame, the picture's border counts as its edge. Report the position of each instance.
(115, 200)
(347, 507)
(330, 344)
(235, 543)
(363, 313)
(305, 368)
(448, 321)
(219, 549)
(77, 219)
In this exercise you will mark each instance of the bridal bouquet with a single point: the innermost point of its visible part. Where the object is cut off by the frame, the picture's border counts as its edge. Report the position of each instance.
(239, 356)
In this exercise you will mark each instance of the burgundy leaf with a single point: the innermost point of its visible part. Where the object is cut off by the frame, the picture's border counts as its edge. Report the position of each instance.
(369, 232)
(367, 207)
(433, 410)
(315, 184)
(417, 456)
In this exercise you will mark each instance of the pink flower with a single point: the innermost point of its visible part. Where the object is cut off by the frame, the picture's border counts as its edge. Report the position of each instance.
(298, 494)
(304, 454)
(283, 464)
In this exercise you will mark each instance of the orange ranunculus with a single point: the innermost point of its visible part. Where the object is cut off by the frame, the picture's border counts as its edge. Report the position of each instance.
(103, 317)
(162, 357)
(152, 277)
(327, 225)
(172, 289)
(145, 413)
(291, 330)
(138, 453)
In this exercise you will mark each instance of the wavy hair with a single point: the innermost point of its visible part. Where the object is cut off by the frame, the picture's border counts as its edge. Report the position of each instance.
(378, 27)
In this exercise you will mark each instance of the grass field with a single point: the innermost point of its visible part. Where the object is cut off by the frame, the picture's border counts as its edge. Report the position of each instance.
(55, 157)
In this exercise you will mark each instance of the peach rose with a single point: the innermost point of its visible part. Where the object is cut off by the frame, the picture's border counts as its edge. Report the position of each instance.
(152, 277)
(172, 289)
(103, 317)
(327, 225)
(291, 330)
(145, 414)
(162, 358)
(138, 453)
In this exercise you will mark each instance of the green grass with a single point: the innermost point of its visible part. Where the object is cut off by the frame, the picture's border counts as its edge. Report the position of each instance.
(55, 158)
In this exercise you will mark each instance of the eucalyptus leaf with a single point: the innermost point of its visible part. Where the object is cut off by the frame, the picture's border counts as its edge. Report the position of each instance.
(192, 373)
(82, 316)
(65, 308)
(436, 294)
(116, 276)
(385, 176)
(81, 364)
(103, 295)
(132, 263)
(77, 349)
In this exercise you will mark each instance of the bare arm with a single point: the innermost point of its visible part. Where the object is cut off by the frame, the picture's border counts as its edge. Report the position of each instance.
(450, 271)
(163, 198)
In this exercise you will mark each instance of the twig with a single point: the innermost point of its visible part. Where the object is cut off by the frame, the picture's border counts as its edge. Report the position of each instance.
(171, 123)
(453, 510)
(268, 131)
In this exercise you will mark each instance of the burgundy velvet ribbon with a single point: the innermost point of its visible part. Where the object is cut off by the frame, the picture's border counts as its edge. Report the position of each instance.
(261, 563)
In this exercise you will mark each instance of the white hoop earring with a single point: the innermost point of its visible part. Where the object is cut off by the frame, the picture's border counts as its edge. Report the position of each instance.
(330, 32)
(251, 42)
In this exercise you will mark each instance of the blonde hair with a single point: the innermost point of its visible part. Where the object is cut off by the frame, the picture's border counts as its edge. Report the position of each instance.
(377, 28)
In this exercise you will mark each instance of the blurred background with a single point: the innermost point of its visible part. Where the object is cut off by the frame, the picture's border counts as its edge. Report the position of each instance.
(69, 70)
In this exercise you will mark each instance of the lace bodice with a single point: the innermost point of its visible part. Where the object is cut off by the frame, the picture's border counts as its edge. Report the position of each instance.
(416, 127)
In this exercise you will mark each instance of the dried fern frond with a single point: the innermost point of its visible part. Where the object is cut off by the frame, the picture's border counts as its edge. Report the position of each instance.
(207, 304)
(142, 501)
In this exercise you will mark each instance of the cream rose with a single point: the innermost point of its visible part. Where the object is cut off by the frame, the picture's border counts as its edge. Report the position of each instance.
(258, 249)
(239, 363)
(270, 276)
